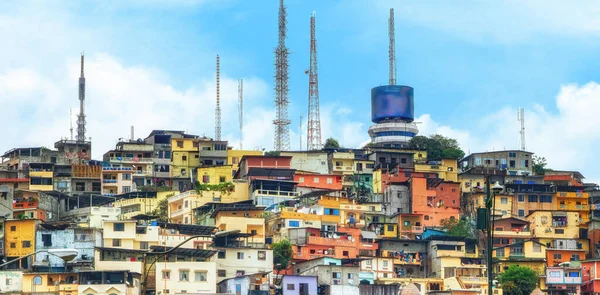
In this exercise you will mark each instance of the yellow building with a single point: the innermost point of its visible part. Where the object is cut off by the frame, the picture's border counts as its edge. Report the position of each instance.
(554, 224)
(377, 183)
(50, 283)
(234, 157)
(526, 253)
(248, 221)
(342, 163)
(185, 156)
(124, 234)
(20, 237)
(215, 174)
(143, 204)
(446, 169)
(41, 176)
(574, 201)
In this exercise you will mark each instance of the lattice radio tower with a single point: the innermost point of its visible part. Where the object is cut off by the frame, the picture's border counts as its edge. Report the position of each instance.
(521, 118)
(218, 107)
(241, 109)
(281, 122)
(81, 116)
(314, 117)
(392, 50)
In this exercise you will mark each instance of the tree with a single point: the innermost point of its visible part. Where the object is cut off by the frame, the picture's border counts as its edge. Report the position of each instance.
(272, 154)
(437, 147)
(457, 228)
(539, 165)
(523, 278)
(331, 143)
(162, 209)
(282, 255)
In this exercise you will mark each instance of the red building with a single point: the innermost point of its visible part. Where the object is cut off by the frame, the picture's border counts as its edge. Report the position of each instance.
(311, 243)
(321, 181)
(262, 162)
(435, 199)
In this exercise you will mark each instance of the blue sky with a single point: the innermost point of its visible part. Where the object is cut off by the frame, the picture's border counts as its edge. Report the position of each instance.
(151, 64)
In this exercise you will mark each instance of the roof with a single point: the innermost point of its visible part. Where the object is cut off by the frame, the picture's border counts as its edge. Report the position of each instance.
(10, 180)
(185, 251)
(368, 235)
(235, 208)
(56, 225)
(189, 229)
(209, 205)
(121, 250)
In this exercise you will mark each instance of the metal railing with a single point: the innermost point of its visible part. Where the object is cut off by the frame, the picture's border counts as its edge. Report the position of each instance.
(181, 196)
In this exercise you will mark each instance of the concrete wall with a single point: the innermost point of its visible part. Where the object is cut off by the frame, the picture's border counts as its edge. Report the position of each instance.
(6, 200)
(84, 240)
(313, 162)
(175, 285)
(379, 289)
(250, 264)
(397, 197)
(348, 275)
(229, 286)
(343, 290)
(287, 281)
(11, 281)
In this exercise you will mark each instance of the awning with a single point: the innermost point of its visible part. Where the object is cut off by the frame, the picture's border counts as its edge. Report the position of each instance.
(559, 213)
(368, 235)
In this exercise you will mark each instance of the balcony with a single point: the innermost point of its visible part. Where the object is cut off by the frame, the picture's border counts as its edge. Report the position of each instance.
(25, 205)
(329, 242)
(116, 169)
(512, 233)
(181, 196)
(109, 181)
(412, 229)
(276, 193)
(471, 280)
(131, 160)
(177, 213)
(472, 255)
(516, 253)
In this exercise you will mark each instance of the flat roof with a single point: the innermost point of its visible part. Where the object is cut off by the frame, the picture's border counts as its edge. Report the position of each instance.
(189, 229)
(185, 251)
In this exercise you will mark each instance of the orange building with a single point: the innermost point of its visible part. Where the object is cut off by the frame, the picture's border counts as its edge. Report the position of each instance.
(434, 199)
(556, 256)
(322, 181)
(311, 243)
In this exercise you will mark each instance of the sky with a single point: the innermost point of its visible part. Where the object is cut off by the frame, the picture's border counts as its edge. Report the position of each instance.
(151, 64)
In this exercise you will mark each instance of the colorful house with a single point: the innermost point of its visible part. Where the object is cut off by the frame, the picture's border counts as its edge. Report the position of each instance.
(20, 238)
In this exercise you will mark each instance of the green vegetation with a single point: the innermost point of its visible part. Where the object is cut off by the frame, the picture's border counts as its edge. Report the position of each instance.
(437, 147)
(331, 143)
(149, 188)
(282, 255)
(539, 165)
(224, 188)
(518, 280)
(457, 228)
(162, 209)
(272, 154)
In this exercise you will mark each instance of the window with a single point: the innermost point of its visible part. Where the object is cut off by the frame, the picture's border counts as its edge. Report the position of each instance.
(345, 253)
(504, 212)
(116, 242)
(575, 257)
(385, 263)
(222, 254)
(512, 155)
(118, 226)
(426, 217)
(537, 248)
(520, 198)
(336, 275)
(559, 231)
(500, 252)
(350, 276)
(126, 189)
(555, 274)
(316, 180)
(390, 227)
(294, 223)
(477, 161)
(240, 255)
(13, 228)
(301, 179)
(205, 179)
(166, 274)
(291, 286)
(262, 255)
(126, 176)
(179, 144)
(329, 180)
(512, 164)
(37, 280)
(557, 256)
(47, 240)
(144, 245)
(200, 276)
(359, 166)
(368, 263)
(26, 244)
(406, 223)
(521, 212)
(184, 275)
(221, 179)
(220, 147)
(546, 199)
(184, 158)
(96, 187)
(240, 273)
(503, 200)
(221, 273)
(185, 204)
(532, 198)
(8, 282)
(80, 186)
(13, 245)
(338, 163)
(196, 144)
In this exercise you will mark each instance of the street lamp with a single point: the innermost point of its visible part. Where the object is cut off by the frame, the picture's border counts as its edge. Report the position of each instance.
(64, 254)
(489, 206)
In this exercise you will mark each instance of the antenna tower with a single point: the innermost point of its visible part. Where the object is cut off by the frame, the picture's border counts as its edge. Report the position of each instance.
(521, 119)
(392, 50)
(314, 117)
(281, 122)
(71, 122)
(241, 109)
(218, 108)
(81, 116)
(300, 132)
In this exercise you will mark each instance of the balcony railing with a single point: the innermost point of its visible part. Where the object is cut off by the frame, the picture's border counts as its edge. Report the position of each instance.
(25, 205)
(473, 280)
(109, 181)
(275, 193)
(132, 159)
(412, 229)
(329, 241)
(181, 196)
(117, 168)
(177, 212)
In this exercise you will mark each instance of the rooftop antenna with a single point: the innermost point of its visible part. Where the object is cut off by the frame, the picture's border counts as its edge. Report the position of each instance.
(521, 119)
(218, 107)
(392, 49)
(281, 122)
(241, 109)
